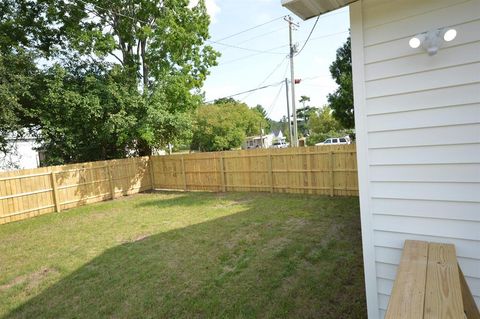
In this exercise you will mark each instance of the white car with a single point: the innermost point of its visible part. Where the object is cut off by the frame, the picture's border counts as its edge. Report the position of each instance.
(335, 141)
(279, 144)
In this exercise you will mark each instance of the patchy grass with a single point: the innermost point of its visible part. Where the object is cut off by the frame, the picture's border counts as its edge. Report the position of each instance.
(187, 255)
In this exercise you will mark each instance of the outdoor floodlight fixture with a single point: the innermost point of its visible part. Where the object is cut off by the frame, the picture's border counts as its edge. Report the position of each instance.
(432, 40)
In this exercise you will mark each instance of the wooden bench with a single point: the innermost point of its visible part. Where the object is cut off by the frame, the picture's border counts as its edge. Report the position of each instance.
(430, 284)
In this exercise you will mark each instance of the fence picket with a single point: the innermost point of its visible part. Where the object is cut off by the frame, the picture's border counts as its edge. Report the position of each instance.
(56, 200)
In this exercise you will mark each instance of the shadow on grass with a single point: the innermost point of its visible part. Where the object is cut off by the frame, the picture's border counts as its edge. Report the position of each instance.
(252, 264)
(179, 198)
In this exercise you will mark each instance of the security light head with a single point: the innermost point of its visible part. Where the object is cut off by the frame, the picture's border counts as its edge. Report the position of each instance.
(431, 41)
(414, 42)
(450, 35)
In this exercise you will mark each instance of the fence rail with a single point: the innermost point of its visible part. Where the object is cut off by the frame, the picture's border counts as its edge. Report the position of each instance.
(323, 170)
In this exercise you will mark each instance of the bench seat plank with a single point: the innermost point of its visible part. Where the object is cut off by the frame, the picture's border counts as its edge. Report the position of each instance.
(408, 295)
(443, 293)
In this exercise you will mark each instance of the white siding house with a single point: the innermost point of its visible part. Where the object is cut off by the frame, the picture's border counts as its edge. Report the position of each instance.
(22, 154)
(418, 133)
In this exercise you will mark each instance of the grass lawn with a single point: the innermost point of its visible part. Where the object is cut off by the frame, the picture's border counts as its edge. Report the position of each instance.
(187, 255)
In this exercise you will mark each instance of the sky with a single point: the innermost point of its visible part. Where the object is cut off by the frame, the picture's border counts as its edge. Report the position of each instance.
(244, 69)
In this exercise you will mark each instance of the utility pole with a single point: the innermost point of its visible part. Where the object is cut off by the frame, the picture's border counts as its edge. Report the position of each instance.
(288, 113)
(292, 79)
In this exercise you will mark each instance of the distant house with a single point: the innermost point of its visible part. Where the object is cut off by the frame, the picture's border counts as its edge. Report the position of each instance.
(22, 154)
(264, 141)
(278, 136)
(258, 141)
(416, 83)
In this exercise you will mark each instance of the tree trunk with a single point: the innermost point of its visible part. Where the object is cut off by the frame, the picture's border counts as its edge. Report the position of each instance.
(143, 44)
(143, 148)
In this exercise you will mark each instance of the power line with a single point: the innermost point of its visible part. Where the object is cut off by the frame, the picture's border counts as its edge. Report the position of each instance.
(275, 101)
(261, 35)
(236, 45)
(267, 77)
(242, 48)
(239, 59)
(249, 29)
(267, 22)
(282, 46)
(270, 109)
(309, 35)
(248, 91)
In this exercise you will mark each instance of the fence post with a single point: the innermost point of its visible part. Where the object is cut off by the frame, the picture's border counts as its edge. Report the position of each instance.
(270, 172)
(332, 176)
(184, 175)
(110, 181)
(152, 174)
(222, 173)
(55, 191)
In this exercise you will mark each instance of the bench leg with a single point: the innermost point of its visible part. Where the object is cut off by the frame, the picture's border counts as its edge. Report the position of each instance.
(469, 306)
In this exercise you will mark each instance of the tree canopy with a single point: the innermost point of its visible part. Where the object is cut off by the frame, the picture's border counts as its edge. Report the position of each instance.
(96, 80)
(221, 127)
(341, 101)
(322, 125)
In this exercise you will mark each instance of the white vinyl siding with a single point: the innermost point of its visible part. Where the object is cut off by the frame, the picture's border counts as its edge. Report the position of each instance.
(419, 165)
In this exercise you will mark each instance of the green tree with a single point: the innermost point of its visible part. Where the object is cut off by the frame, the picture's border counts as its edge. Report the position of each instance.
(270, 123)
(143, 100)
(225, 100)
(304, 99)
(221, 127)
(281, 125)
(341, 101)
(322, 125)
(20, 79)
(303, 116)
(260, 109)
(20, 88)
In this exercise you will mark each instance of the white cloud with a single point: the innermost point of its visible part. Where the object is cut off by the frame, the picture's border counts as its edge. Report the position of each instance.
(212, 8)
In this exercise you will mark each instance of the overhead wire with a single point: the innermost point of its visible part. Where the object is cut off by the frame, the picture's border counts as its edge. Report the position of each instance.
(256, 52)
(236, 45)
(261, 35)
(281, 46)
(270, 109)
(240, 93)
(249, 29)
(275, 101)
(242, 48)
(267, 77)
(309, 35)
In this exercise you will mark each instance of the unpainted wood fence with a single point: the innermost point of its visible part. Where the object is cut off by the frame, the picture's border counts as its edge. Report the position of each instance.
(31, 192)
(313, 170)
(325, 170)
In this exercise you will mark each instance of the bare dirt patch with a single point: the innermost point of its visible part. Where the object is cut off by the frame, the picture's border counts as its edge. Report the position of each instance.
(296, 223)
(32, 280)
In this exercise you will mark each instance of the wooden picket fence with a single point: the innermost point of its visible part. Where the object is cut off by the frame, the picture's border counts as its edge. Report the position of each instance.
(31, 192)
(325, 170)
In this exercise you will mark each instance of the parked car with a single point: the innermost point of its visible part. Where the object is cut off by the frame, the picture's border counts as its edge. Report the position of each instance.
(335, 141)
(279, 144)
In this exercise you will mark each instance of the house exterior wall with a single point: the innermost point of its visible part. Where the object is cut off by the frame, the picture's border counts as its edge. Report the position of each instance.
(23, 156)
(418, 135)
